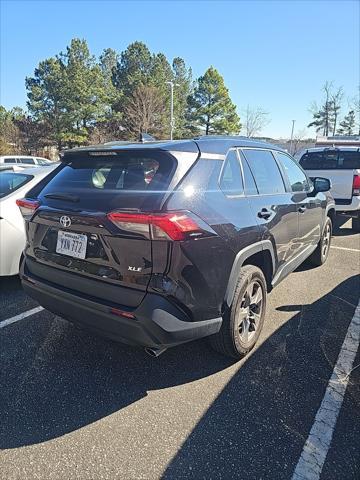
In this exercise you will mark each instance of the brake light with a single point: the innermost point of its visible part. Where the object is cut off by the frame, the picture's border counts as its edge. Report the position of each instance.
(162, 226)
(356, 185)
(27, 207)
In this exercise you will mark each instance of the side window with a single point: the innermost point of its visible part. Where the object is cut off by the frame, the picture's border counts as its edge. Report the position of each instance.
(231, 179)
(250, 186)
(265, 171)
(27, 161)
(9, 160)
(296, 176)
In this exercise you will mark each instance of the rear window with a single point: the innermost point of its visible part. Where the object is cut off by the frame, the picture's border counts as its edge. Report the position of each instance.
(10, 181)
(330, 160)
(127, 180)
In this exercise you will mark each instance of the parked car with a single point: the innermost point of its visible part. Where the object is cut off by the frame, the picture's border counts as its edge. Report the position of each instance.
(342, 166)
(14, 183)
(187, 252)
(24, 161)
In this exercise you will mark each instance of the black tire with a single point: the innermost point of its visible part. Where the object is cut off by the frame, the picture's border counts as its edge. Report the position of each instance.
(230, 339)
(320, 255)
(356, 223)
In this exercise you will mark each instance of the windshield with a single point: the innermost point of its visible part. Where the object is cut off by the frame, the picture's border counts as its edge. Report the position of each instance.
(11, 181)
(43, 161)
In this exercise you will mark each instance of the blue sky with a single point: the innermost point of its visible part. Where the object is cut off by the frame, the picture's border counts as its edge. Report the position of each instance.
(273, 54)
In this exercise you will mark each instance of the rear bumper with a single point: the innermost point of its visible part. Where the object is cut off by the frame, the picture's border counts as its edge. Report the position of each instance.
(352, 208)
(157, 323)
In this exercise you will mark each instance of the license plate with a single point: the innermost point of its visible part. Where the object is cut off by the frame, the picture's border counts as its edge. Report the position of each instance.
(72, 244)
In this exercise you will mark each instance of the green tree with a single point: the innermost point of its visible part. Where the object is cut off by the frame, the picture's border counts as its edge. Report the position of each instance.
(87, 99)
(347, 126)
(47, 98)
(182, 77)
(133, 68)
(211, 106)
(140, 75)
(9, 133)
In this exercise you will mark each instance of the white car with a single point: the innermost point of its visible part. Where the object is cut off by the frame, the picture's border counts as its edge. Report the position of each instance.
(24, 161)
(341, 165)
(15, 185)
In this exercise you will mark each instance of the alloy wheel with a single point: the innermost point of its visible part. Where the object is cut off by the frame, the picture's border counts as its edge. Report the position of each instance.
(250, 312)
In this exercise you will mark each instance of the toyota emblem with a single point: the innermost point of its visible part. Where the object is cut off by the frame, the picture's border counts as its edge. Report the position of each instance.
(65, 221)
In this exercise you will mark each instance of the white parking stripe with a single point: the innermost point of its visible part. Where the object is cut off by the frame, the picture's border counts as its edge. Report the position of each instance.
(9, 321)
(317, 445)
(343, 248)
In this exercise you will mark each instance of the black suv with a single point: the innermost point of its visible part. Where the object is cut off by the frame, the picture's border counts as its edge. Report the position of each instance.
(156, 244)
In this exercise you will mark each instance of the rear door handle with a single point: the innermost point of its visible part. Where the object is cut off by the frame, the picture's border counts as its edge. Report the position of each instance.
(302, 209)
(264, 213)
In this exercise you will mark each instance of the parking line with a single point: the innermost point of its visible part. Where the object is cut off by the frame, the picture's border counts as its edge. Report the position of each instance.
(21, 316)
(344, 248)
(317, 445)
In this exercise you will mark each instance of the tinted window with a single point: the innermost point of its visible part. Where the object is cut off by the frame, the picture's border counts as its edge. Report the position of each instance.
(27, 161)
(107, 183)
(231, 180)
(348, 159)
(329, 160)
(266, 171)
(250, 186)
(10, 181)
(9, 160)
(296, 176)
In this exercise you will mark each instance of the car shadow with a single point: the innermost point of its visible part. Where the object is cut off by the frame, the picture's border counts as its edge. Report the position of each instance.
(57, 379)
(257, 426)
(10, 284)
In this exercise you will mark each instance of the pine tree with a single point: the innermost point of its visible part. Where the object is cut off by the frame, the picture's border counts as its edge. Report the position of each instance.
(347, 126)
(211, 106)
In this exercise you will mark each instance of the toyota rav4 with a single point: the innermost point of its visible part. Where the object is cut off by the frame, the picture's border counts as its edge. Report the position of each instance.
(160, 243)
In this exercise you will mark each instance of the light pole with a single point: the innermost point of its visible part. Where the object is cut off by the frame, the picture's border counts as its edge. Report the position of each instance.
(172, 85)
(292, 135)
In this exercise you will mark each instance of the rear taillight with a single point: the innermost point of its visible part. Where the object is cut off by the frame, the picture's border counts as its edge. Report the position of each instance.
(27, 207)
(356, 185)
(162, 226)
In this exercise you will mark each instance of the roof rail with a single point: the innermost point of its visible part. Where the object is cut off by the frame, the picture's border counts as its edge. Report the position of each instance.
(220, 137)
(117, 142)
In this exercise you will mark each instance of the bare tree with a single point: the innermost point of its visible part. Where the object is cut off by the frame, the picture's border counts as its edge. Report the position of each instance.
(336, 100)
(325, 117)
(144, 111)
(298, 141)
(255, 120)
(354, 104)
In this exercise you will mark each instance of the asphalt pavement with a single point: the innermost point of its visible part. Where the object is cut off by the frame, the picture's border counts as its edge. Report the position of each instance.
(74, 405)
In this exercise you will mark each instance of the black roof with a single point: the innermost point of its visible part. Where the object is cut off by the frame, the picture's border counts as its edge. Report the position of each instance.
(215, 144)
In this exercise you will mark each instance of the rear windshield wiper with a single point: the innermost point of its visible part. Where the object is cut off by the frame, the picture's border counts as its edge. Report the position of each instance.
(63, 196)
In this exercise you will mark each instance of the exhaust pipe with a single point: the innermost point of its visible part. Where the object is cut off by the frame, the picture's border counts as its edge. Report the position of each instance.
(155, 352)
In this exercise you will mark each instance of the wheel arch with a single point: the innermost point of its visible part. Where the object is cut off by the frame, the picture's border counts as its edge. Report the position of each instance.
(261, 254)
(331, 213)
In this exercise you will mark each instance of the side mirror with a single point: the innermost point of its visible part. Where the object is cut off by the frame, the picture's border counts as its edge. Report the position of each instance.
(321, 184)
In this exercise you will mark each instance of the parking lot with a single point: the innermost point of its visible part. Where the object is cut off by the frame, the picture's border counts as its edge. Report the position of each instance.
(74, 405)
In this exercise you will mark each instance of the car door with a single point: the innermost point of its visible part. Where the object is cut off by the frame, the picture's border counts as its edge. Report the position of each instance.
(308, 206)
(273, 205)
